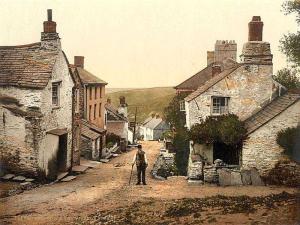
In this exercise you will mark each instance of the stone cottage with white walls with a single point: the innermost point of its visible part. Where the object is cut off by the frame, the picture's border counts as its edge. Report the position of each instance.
(153, 128)
(245, 89)
(39, 97)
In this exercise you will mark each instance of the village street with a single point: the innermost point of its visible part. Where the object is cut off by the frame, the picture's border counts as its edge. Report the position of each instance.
(102, 196)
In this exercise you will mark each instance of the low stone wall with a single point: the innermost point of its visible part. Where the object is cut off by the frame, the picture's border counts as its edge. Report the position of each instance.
(284, 173)
(163, 166)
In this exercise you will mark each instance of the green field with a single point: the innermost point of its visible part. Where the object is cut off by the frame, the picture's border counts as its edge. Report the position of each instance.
(147, 100)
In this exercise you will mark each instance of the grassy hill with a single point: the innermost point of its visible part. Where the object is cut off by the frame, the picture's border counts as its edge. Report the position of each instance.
(147, 100)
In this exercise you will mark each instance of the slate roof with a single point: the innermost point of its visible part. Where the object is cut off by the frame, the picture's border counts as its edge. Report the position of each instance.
(270, 111)
(212, 82)
(113, 113)
(198, 79)
(27, 66)
(88, 78)
(93, 127)
(153, 123)
(88, 133)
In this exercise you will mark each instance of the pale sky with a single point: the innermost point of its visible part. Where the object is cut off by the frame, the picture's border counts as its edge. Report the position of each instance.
(144, 43)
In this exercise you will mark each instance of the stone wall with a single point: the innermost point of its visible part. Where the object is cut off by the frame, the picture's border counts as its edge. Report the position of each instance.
(60, 117)
(261, 150)
(24, 124)
(19, 129)
(119, 128)
(248, 87)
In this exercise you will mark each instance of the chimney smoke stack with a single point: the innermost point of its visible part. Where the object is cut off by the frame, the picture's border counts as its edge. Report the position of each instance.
(49, 25)
(255, 29)
(79, 61)
(49, 13)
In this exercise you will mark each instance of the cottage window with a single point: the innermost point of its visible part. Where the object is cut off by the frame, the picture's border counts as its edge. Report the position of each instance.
(100, 90)
(220, 105)
(95, 107)
(182, 105)
(96, 92)
(55, 94)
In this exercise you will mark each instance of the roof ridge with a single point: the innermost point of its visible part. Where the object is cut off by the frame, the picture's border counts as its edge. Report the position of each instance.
(19, 46)
(211, 82)
(205, 68)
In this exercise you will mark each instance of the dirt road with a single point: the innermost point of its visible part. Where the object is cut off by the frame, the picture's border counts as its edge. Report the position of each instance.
(104, 192)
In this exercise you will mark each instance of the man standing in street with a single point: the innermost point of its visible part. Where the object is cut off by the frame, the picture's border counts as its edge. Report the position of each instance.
(140, 159)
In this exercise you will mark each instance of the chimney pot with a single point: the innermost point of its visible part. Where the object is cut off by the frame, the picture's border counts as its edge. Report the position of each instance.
(49, 13)
(255, 29)
(49, 25)
(79, 61)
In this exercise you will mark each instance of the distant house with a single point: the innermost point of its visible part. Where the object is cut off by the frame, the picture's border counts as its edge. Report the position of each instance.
(116, 119)
(40, 111)
(93, 113)
(153, 128)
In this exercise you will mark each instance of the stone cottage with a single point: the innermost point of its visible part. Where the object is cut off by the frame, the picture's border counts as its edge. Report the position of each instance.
(247, 90)
(93, 131)
(153, 128)
(116, 120)
(39, 107)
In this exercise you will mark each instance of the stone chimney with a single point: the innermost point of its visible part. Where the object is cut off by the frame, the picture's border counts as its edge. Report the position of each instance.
(108, 100)
(123, 107)
(49, 37)
(156, 115)
(79, 61)
(255, 29)
(256, 51)
(210, 57)
(49, 25)
(225, 49)
(216, 69)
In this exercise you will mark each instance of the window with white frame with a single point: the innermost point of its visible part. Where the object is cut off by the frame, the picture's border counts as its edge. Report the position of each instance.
(182, 105)
(55, 94)
(220, 105)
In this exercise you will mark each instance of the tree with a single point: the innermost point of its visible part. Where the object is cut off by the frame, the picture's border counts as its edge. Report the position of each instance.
(172, 112)
(176, 119)
(288, 78)
(290, 43)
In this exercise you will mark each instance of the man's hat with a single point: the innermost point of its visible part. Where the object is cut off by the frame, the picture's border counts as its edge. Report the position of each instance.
(139, 146)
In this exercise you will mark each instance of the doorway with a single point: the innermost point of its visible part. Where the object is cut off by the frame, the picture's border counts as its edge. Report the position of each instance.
(229, 154)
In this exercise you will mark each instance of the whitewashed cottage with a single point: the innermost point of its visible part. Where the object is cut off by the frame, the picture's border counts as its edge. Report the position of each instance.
(39, 101)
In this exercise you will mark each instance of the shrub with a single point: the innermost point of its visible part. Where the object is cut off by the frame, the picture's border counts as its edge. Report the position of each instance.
(227, 129)
(112, 138)
(288, 139)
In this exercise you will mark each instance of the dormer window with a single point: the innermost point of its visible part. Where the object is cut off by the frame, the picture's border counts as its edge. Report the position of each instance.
(55, 94)
(220, 105)
(182, 106)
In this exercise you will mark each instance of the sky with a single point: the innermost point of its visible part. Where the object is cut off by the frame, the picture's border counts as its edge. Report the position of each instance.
(144, 43)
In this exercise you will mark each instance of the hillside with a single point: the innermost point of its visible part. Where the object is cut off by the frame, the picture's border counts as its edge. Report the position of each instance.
(148, 100)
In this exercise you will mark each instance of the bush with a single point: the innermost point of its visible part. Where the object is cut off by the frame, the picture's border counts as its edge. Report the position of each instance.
(288, 139)
(112, 138)
(227, 129)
